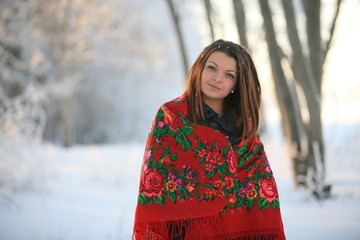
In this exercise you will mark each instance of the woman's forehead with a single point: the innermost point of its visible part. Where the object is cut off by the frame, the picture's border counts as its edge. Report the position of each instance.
(223, 60)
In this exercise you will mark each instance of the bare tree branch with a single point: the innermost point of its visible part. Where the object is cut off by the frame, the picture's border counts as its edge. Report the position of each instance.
(209, 12)
(332, 29)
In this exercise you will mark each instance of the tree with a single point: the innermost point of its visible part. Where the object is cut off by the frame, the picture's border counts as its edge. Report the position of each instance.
(302, 129)
(176, 20)
(209, 13)
(22, 117)
(62, 30)
(52, 40)
(239, 11)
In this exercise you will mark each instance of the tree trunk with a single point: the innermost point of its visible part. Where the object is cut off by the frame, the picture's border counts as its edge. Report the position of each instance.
(59, 47)
(312, 12)
(241, 22)
(66, 113)
(285, 91)
(179, 34)
(209, 10)
(240, 17)
(307, 66)
(316, 58)
(303, 76)
(332, 30)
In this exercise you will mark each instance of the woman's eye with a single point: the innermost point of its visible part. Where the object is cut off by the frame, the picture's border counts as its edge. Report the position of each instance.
(229, 75)
(211, 68)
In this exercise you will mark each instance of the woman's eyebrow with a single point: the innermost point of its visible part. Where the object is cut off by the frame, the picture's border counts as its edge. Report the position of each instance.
(218, 66)
(213, 63)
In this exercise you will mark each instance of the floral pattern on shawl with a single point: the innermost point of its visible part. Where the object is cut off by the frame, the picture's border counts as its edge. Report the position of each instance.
(240, 174)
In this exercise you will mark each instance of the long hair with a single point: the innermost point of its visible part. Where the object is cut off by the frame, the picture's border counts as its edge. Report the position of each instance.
(244, 103)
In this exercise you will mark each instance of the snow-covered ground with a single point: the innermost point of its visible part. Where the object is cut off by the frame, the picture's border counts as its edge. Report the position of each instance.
(89, 192)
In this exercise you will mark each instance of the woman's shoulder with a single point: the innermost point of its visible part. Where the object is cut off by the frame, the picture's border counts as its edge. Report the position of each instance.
(180, 99)
(176, 105)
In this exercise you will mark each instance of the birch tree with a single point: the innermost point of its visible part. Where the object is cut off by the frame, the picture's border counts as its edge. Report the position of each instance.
(301, 120)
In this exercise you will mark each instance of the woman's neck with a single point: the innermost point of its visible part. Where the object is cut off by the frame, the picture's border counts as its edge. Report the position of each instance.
(216, 105)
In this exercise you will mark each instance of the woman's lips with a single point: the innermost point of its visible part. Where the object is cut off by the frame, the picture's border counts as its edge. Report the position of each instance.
(214, 87)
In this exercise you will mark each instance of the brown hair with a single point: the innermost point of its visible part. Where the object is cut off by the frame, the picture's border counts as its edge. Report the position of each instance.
(244, 103)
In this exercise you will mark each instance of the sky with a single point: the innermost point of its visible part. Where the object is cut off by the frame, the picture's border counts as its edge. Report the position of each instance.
(342, 80)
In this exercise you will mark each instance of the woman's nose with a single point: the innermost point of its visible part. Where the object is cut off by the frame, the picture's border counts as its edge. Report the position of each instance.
(217, 76)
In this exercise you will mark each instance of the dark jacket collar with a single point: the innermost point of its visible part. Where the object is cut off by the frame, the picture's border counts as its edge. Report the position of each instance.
(227, 121)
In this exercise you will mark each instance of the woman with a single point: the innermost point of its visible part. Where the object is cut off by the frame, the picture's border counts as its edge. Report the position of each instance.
(205, 174)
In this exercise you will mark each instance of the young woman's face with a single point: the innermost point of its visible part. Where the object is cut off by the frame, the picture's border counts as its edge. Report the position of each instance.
(218, 77)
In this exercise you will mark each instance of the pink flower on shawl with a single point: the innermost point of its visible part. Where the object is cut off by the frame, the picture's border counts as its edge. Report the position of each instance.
(166, 159)
(147, 154)
(218, 184)
(210, 192)
(267, 169)
(190, 175)
(251, 194)
(186, 167)
(152, 183)
(205, 152)
(268, 189)
(243, 192)
(172, 120)
(210, 167)
(229, 182)
(172, 177)
(231, 160)
(251, 172)
(171, 186)
(179, 182)
(250, 185)
(232, 198)
(190, 187)
(212, 155)
(215, 157)
(161, 124)
(159, 141)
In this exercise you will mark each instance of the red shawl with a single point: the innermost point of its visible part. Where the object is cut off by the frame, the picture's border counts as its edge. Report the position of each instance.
(194, 185)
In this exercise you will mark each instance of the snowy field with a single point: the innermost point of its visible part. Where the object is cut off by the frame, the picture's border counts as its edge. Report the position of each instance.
(90, 192)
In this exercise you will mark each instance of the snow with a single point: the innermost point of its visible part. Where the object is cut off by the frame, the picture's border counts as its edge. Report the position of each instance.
(334, 218)
(89, 192)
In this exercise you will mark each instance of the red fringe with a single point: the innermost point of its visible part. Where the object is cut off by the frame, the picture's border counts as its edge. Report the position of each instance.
(199, 229)
(265, 234)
